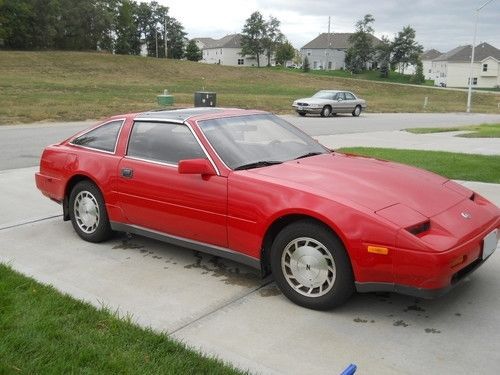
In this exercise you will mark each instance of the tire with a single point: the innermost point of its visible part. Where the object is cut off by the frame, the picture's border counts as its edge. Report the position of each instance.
(301, 114)
(314, 243)
(326, 111)
(87, 212)
(334, 114)
(357, 111)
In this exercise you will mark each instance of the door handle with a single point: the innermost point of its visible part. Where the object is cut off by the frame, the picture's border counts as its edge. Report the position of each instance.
(127, 172)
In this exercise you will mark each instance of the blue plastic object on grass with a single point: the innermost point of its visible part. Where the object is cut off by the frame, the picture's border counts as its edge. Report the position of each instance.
(350, 370)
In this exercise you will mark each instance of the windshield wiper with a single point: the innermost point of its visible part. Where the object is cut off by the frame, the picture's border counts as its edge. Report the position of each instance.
(257, 164)
(308, 154)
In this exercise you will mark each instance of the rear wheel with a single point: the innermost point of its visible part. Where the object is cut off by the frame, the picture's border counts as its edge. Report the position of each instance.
(357, 111)
(87, 212)
(311, 266)
(326, 111)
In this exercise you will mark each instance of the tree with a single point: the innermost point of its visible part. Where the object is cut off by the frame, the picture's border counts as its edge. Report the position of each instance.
(193, 53)
(127, 35)
(273, 37)
(405, 50)
(284, 53)
(383, 56)
(176, 38)
(418, 77)
(252, 34)
(305, 66)
(360, 51)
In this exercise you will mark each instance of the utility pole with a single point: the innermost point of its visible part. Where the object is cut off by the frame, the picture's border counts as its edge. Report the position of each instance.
(166, 36)
(156, 40)
(469, 94)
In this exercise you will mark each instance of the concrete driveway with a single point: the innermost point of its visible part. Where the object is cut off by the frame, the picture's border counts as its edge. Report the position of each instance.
(225, 309)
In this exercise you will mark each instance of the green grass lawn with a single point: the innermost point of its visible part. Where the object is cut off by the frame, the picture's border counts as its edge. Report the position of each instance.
(58, 86)
(484, 168)
(45, 332)
(477, 131)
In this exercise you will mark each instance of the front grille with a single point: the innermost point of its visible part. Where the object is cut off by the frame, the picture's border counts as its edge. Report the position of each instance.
(303, 104)
(466, 271)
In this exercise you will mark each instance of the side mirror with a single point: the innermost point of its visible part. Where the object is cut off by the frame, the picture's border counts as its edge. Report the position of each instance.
(196, 166)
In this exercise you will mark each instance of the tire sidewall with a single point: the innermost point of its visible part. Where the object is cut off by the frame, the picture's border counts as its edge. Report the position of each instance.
(103, 230)
(357, 111)
(344, 282)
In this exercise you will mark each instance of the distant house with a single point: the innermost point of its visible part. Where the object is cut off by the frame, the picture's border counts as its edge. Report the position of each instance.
(327, 51)
(452, 68)
(226, 51)
(426, 59)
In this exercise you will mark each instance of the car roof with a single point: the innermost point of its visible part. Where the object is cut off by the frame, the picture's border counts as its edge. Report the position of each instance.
(198, 113)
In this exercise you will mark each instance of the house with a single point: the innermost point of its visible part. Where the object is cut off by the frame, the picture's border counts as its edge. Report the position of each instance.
(453, 67)
(327, 51)
(426, 59)
(226, 51)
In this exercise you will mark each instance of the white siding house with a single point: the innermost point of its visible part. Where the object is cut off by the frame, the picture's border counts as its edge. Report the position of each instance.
(226, 51)
(427, 58)
(327, 51)
(452, 68)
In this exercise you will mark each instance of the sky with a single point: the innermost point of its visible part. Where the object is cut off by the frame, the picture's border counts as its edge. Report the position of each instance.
(439, 24)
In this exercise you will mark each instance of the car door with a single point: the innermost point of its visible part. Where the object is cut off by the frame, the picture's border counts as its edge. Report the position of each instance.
(340, 105)
(155, 196)
(349, 101)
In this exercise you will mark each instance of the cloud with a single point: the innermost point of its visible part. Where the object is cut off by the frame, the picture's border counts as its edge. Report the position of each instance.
(441, 24)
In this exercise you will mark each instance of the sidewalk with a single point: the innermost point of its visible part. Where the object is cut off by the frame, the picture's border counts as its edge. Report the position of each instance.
(398, 139)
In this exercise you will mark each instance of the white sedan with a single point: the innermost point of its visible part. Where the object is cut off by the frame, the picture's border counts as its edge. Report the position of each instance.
(328, 102)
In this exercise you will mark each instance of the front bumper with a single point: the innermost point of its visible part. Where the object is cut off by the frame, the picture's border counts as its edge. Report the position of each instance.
(430, 275)
(307, 109)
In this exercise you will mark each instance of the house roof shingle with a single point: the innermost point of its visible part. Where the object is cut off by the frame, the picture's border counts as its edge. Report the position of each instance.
(430, 54)
(229, 41)
(333, 40)
(463, 53)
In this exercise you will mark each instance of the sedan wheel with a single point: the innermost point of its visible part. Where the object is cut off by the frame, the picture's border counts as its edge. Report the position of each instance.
(357, 111)
(311, 266)
(88, 212)
(326, 111)
(301, 113)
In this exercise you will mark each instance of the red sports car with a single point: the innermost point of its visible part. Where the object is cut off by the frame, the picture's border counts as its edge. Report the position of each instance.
(249, 186)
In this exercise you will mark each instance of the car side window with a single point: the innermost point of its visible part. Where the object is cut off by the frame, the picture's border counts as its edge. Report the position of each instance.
(163, 142)
(349, 96)
(340, 96)
(103, 138)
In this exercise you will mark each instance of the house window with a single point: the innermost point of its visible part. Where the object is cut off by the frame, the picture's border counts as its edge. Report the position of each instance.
(329, 65)
(430, 70)
(308, 53)
(485, 67)
(315, 65)
(241, 61)
(474, 81)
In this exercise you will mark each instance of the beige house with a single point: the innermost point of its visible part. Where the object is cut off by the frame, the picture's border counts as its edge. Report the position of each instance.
(452, 68)
(226, 51)
(427, 57)
(327, 51)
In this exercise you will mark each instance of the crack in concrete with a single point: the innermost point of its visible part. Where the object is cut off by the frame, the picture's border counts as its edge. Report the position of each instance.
(29, 222)
(177, 330)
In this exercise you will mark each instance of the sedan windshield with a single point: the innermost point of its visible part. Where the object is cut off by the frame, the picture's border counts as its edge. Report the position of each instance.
(255, 141)
(323, 95)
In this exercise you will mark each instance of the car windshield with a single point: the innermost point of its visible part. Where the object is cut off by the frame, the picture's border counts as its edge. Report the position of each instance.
(323, 95)
(254, 141)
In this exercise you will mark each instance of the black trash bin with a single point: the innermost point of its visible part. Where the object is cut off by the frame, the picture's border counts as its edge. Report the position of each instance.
(205, 99)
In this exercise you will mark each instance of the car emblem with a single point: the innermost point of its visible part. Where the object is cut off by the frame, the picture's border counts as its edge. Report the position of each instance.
(466, 215)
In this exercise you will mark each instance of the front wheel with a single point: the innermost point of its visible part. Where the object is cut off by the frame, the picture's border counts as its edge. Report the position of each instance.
(357, 111)
(87, 212)
(311, 266)
(326, 111)
(301, 114)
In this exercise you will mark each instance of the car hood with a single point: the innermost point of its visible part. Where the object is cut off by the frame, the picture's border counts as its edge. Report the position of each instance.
(312, 101)
(374, 184)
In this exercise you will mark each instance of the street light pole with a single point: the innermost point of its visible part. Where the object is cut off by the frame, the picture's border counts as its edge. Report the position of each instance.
(469, 94)
(166, 36)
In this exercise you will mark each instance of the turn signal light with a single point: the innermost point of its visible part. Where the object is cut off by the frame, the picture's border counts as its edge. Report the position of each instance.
(378, 250)
(458, 261)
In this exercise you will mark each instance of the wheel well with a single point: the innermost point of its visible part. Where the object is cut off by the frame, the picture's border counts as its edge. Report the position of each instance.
(273, 231)
(69, 186)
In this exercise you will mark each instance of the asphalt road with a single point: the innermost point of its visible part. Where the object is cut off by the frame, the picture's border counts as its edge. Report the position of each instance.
(21, 145)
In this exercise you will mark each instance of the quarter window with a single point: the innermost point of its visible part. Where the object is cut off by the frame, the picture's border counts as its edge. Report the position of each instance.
(163, 142)
(103, 138)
